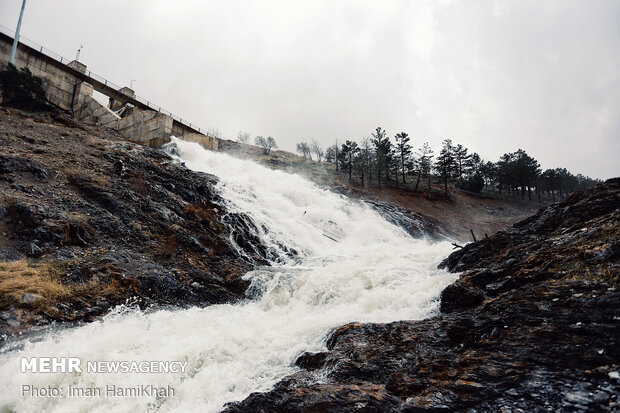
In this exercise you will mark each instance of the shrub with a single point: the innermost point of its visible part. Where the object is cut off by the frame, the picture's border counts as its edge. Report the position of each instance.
(473, 183)
(22, 89)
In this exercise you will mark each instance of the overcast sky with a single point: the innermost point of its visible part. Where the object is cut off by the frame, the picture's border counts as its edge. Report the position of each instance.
(495, 76)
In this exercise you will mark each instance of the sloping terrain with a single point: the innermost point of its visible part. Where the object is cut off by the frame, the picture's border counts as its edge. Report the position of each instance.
(105, 222)
(533, 324)
(452, 217)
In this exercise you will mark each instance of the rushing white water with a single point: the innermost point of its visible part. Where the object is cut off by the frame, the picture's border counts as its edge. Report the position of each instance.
(375, 272)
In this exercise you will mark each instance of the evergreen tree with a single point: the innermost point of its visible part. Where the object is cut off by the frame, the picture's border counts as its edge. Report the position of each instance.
(476, 163)
(366, 147)
(330, 154)
(347, 155)
(403, 152)
(425, 164)
(445, 163)
(360, 162)
(383, 147)
(462, 160)
(488, 172)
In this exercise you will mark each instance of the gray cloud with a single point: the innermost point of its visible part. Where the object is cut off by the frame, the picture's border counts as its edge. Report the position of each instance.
(495, 76)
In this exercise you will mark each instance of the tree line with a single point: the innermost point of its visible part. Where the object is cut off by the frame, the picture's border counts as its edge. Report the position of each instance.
(394, 162)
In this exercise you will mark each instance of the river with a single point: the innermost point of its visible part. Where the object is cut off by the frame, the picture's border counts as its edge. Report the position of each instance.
(352, 265)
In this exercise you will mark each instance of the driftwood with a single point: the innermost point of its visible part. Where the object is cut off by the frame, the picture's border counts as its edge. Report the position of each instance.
(456, 245)
(473, 236)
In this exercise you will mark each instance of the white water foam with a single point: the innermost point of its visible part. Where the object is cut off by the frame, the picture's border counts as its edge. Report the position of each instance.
(374, 272)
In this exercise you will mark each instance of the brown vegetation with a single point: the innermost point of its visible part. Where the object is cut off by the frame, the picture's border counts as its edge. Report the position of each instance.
(18, 278)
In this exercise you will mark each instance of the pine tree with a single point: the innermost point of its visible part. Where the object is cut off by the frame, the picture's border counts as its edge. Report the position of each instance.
(462, 160)
(347, 155)
(383, 148)
(366, 147)
(425, 163)
(403, 151)
(445, 163)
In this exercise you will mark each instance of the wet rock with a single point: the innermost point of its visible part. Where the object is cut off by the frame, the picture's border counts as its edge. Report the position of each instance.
(91, 191)
(119, 168)
(311, 361)
(462, 331)
(531, 325)
(414, 223)
(245, 234)
(459, 296)
(402, 385)
(118, 217)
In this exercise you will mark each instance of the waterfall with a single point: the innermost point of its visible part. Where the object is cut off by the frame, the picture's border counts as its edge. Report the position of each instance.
(351, 265)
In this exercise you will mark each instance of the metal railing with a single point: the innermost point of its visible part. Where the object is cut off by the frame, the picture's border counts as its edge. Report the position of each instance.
(100, 79)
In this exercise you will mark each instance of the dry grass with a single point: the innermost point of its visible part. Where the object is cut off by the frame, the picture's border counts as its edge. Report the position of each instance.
(201, 211)
(170, 245)
(19, 277)
(579, 270)
(207, 213)
(138, 183)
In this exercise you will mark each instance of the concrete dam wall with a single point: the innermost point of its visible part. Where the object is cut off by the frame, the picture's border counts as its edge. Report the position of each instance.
(70, 85)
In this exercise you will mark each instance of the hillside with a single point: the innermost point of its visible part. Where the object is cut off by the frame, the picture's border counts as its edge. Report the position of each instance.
(90, 221)
(452, 217)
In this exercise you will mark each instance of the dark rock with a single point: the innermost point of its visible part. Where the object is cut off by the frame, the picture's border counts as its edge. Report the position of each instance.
(460, 296)
(416, 224)
(462, 331)
(531, 325)
(245, 234)
(10, 165)
(404, 386)
(311, 361)
(34, 250)
(120, 217)
(119, 168)
(64, 254)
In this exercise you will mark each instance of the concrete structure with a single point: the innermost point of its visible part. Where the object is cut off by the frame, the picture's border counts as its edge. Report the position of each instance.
(70, 85)
(143, 126)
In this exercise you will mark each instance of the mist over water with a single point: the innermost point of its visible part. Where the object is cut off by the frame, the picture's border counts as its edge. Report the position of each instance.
(352, 265)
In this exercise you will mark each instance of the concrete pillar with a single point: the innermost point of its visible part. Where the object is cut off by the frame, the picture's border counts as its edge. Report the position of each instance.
(78, 66)
(115, 105)
(82, 90)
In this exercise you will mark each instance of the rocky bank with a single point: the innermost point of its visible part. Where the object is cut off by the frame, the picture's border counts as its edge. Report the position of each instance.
(533, 324)
(97, 222)
(89, 221)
